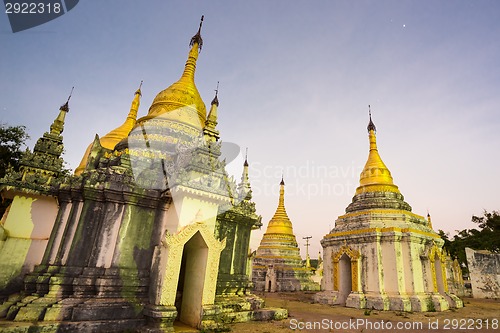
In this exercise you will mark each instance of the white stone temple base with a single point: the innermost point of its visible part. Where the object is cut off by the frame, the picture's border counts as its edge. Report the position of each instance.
(455, 301)
(377, 301)
(327, 297)
(356, 300)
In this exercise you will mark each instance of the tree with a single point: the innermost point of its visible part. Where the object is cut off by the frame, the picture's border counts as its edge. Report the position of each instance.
(487, 237)
(12, 138)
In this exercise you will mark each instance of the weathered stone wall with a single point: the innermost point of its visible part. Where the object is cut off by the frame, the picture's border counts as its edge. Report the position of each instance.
(26, 227)
(484, 271)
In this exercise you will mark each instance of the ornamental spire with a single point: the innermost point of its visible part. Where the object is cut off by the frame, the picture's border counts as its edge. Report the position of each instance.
(134, 107)
(45, 164)
(429, 222)
(138, 91)
(65, 106)
(196, 39)
(375, 176)
(196, 44)
(210, 131)
(216, 100)
(57, 126)
(181, 101)
(280, 223)
(371, 125)
(244, 189)
(281, 202)
(244, 178)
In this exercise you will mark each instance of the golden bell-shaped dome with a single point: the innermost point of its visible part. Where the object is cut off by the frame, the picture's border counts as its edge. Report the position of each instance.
(375, 176)
(181, 102)
(280, 223)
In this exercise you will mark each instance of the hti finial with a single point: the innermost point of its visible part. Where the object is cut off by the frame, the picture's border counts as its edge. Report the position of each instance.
(197, 38)
(371, 125)
(65, 106)
(246, 157)
(71, 93)
(282, 181)
(201, 23)
(216, 100)
(138, 91)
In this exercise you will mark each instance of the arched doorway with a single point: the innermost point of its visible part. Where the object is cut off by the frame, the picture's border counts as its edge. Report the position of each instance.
(345, 278)
(191, 281)
(270, 282)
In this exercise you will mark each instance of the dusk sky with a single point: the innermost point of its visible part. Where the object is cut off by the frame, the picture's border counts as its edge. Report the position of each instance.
(296, 78)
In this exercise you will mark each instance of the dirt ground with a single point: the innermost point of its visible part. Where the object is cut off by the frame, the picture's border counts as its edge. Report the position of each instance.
(477, 315)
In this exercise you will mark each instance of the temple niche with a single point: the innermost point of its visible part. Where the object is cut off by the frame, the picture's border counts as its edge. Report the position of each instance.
(277, 264)
(380, 255)
(148, 232)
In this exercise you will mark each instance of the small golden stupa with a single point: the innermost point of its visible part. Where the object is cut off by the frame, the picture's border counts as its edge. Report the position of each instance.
(380, 255)
(277, 265)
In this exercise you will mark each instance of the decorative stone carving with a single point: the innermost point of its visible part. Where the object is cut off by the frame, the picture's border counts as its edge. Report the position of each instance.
(355, 257)
(175, 245)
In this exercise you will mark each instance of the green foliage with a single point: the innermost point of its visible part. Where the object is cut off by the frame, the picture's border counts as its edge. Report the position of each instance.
(487, 237)
(12, 138)
(430, 305)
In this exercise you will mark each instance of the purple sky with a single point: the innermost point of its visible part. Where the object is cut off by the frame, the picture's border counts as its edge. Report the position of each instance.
(295, 82)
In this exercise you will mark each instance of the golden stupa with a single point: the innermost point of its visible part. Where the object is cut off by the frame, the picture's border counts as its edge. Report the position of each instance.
(277, 265)
(181, 101)
(380, 255)
(375, 175)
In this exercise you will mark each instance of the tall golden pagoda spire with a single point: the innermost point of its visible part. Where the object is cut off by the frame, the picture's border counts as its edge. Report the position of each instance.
(280, 223)
(375, 176)
(110, 140)
(181, 101)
